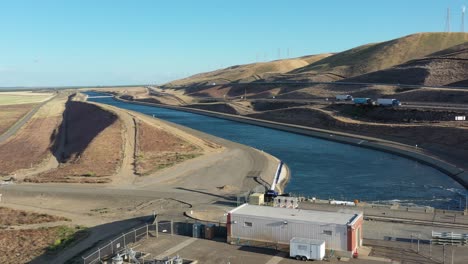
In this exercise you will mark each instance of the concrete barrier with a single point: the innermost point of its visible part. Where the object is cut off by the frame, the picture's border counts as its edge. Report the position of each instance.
(454, 172)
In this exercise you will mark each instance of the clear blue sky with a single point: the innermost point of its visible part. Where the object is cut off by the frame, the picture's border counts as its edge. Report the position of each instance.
(99, 42)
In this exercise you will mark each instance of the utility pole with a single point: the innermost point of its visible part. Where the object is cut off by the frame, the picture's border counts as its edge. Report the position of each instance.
(452, 256)
(418, 243)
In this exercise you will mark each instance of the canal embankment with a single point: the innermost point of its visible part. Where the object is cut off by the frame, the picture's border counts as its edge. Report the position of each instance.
(409, 152)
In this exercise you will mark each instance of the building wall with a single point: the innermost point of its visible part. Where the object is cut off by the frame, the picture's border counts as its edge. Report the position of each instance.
(276, 231)
(355, 235)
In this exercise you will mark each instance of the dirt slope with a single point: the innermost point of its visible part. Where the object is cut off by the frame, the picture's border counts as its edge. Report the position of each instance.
(378, 56)
(446, 67)
(92, 146)
(158, 149)
(448, 142)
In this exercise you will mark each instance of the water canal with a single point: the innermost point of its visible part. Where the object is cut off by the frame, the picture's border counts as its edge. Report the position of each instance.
(327, 169)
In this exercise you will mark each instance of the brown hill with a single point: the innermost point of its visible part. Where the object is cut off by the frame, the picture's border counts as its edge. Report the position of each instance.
(446, 67)
(248, 72)
(374, 57)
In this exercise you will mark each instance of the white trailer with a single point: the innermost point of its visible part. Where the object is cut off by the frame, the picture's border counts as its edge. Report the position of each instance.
(388, 102)
(306, 249)
(344, 97)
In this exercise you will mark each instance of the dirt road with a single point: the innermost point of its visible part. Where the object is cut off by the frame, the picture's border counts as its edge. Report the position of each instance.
(211, 180)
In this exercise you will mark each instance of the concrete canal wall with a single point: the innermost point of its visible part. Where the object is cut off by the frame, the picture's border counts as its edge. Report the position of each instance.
(405, 151)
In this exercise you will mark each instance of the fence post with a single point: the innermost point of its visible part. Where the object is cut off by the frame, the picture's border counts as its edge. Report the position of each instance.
(157, 228)
(172, 227)
(99, 254)
(124, 240)
(134, 232)
(84, 260)
(147, 230)
(112, 247)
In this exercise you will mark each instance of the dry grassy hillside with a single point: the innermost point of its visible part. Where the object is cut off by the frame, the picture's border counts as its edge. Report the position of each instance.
(374, 57)
(446, 67)
(249, 72)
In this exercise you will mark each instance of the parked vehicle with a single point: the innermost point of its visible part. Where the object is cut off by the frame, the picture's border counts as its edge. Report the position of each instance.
(306, 249)
(363, 101)
(344, 97)
(388, 102)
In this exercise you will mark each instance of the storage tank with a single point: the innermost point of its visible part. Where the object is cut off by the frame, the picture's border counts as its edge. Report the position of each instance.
(117, 259)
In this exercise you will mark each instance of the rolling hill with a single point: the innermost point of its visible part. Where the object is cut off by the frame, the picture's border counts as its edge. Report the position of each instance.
(379, 56)
(422, 58)
(248, 72)
(446, 67)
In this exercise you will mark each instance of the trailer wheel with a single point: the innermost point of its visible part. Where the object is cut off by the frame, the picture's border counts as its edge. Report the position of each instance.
(304, 258)
(298, 257)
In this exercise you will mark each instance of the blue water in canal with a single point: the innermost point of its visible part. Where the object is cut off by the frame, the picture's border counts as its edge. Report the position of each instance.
(327, 169)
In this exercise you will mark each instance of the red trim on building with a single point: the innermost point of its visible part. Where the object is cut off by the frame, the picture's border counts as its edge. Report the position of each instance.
(353, 244)
(350, 238)
(228, 225)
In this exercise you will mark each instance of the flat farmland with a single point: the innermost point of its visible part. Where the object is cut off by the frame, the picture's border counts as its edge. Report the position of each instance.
(11, 98)
(10, 114)
(31, 145)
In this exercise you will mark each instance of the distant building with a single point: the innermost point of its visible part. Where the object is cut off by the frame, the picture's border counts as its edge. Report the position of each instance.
(342, 232)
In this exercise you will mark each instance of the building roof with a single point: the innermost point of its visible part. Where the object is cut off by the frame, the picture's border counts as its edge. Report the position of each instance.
(313, 216)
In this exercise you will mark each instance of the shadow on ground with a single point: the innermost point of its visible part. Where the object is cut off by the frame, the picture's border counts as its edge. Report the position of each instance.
(98, 237)
(81, 123)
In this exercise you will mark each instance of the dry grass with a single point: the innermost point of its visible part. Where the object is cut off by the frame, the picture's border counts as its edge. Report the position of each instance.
(445, 67)
(22, 246)
(93, 149)
(374, 57)
(9, 217)
(10, 114)
(158, 149)
(30, 146)
(250, 72)
(11, 98)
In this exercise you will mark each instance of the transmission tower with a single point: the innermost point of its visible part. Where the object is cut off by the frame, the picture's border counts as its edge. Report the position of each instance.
(463, 19)
(447, 21)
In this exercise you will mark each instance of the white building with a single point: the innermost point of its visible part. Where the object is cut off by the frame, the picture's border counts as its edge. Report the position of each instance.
(342, 232)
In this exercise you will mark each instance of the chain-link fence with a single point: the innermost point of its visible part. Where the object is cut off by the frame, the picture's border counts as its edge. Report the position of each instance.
(118, 244)
(207, 229)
